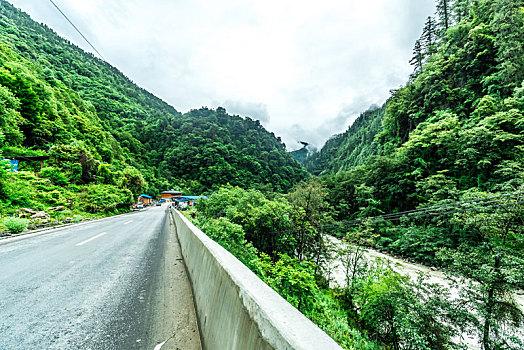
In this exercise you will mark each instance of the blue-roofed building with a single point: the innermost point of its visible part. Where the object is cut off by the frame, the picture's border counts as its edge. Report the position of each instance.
(145, 199)
(188, 200)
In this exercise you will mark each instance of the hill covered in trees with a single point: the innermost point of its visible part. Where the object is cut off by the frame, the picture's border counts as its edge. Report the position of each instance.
(455, 126)
(436, 176)
(55, 95)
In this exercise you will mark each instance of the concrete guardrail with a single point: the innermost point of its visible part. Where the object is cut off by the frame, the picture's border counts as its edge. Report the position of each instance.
(236, 309)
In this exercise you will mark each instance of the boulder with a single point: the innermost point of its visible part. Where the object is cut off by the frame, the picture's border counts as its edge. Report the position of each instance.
(25, 212)
(59, 208)
(41, 216)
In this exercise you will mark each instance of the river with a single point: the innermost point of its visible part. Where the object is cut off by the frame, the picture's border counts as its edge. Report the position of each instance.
(412, 270)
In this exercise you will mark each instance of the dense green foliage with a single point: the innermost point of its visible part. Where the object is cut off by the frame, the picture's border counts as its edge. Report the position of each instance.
(212, 148)
(16, 225)
(278, 238)
(44, 114)
(232, 214)
(452, 137)
(123, 125)
(455, 127)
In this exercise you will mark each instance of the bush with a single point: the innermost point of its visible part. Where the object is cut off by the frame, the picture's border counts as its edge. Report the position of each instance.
(56, 176)
(106, 199)
(16, 225)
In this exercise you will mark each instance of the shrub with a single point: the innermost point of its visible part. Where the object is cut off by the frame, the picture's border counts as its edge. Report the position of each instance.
(56, 176)
(16, 225)
(106, 199)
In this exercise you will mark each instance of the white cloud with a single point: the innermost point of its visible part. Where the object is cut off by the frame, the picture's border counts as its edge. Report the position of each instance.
(252, 110)
(298, 66)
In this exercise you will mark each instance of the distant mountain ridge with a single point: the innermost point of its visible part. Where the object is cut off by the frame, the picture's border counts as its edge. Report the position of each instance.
(350, 148)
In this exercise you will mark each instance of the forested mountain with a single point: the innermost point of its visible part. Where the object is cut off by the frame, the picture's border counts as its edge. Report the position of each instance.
(457, 125)
(443, 180)
(349, 149)
(300, 154)
(122, 124)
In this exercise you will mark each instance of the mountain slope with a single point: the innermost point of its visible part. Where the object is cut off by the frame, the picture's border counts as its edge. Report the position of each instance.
(148, 131)
(456, 126)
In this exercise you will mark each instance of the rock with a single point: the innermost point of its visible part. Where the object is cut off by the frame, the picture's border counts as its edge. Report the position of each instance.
(59, 208)
(25, 212)
(41, 216)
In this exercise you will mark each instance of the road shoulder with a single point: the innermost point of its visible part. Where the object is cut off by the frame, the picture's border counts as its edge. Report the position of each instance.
(174, 314)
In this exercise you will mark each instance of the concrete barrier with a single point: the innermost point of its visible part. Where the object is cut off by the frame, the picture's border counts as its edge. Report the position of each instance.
(235, 309)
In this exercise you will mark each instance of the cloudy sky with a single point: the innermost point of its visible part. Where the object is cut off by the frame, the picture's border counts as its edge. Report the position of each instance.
(305, 69)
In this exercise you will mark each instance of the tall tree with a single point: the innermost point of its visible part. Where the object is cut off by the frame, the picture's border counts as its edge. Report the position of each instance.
(494, 269)
(444, 14)
(429, 35)
(418, 56)
(460, 10)
(508, 26)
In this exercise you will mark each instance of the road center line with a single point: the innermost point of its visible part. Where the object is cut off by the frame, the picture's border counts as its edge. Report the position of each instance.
(159, 346)
(90, 239)
(128, 222)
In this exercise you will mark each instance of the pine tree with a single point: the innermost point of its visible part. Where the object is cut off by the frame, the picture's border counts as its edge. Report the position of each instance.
(460, 10)
(418, 56)
(429, 36)
(443, 12)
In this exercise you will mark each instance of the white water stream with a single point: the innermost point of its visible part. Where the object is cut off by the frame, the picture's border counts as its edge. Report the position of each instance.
(412, 270)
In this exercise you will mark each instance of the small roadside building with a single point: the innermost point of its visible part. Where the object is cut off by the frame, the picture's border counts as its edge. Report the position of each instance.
(188, 200)
(16, 160)
(170, 195)
(145, 199)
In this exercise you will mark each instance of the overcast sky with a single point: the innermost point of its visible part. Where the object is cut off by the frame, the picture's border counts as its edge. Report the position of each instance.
(305, 69)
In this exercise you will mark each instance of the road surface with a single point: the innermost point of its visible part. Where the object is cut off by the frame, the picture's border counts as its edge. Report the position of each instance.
(116, 283)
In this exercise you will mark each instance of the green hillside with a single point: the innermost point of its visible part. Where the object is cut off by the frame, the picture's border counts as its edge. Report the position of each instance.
(123, 124)
(456, 126)
(437, 176)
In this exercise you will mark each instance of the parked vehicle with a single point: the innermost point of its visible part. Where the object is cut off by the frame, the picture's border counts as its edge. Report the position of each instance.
(140, 205)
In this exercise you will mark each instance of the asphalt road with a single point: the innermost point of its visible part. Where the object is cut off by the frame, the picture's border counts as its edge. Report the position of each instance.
(117, 283)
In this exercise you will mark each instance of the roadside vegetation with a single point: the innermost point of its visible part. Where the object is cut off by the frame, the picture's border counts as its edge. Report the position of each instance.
(435, 176)
(106, 140)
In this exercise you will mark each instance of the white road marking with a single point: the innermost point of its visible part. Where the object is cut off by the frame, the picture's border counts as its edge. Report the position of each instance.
(159, 346)
(128, 222)
(90, 239)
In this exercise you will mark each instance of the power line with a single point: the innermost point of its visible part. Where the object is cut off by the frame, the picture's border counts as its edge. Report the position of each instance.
(78, 30)
(437, 210)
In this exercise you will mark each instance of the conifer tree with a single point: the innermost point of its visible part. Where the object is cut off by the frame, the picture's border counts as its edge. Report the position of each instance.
(429, 36)
(418, 56)
(443, 12)
(460, 10)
